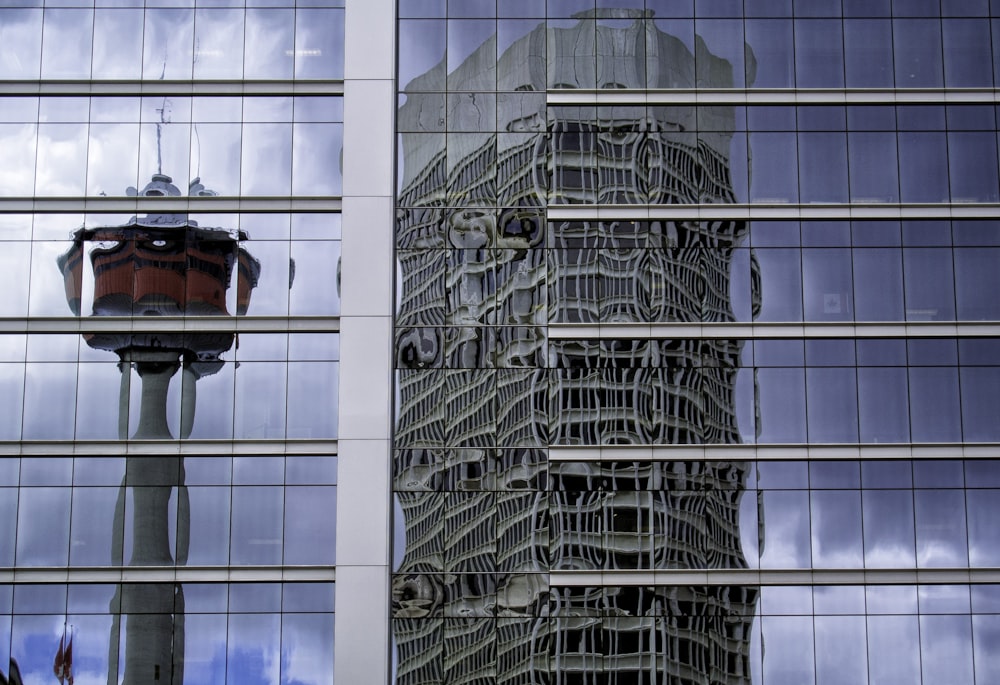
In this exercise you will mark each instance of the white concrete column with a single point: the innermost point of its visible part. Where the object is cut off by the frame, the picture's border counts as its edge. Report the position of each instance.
(362, 635)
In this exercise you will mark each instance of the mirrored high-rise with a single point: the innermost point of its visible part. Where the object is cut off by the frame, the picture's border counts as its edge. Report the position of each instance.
(654, 264)
(484, 390)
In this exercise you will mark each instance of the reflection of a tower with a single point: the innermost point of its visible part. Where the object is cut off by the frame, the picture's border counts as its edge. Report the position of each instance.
(477, 404)
(156, 265)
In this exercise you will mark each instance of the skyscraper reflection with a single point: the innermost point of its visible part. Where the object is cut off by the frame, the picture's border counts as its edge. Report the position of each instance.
(483, 390)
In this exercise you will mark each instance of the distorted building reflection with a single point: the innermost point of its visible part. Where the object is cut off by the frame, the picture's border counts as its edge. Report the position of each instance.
(156, 265)
(483, 390)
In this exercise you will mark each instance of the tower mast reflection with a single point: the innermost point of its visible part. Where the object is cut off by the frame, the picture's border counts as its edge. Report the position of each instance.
(156, 265)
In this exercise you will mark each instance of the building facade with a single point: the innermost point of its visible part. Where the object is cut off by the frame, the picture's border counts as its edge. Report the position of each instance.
(171, 232)
(628, 342)
(653, 260)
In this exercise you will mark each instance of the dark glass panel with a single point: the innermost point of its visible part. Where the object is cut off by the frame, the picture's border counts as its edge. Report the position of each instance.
(822, 167)
(873, 167)
(832, 404)
(980, 403)
(781, 287)
(934, 403)
(422, 8)
(929, 284)
(819, 53)
(868, 53)
(827, 291)
(722, 66)
(967, 54)
(937, 473)
(883, 405)
(886, 474)
(775, 168)
(917, 49)
(923, 162)
(972, 167)
(770, 41)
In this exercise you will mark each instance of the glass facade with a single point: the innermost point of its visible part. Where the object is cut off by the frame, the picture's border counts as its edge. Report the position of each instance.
(574, 342)
(171, 234)
(694, 342)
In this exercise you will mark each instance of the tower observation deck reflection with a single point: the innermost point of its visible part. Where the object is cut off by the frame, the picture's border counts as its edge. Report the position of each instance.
(482, 391)
(156, 265)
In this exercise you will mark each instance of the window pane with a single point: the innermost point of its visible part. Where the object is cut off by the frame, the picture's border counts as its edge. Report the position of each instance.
(868, 53)
(819, 53)
(917, 49)
(888, 526)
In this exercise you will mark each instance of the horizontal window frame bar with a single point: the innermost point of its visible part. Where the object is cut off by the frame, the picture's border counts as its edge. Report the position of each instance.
(774, 211)
(768, 96)
(758, 330)
(180, 205)
(171, 324)
(175, 447)
(774, 452)
(166, 574)
(211, 88)
(755, 577)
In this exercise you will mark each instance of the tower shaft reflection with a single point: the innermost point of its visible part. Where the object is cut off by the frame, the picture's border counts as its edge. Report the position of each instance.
(157, 265)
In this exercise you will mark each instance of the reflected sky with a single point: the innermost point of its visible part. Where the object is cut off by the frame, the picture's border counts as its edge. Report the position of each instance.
(102, 145)
(267, 642)
(147, 385)
(176, 42)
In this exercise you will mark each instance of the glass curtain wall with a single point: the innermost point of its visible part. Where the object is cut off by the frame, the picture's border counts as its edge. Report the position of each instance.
(657, 319)
(170, 355)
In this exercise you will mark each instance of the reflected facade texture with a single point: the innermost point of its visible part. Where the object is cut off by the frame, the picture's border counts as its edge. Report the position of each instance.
(592, 210)
(170, 360)
(483, 391)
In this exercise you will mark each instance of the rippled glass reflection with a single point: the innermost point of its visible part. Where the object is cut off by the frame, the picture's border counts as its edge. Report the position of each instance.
(482, 513)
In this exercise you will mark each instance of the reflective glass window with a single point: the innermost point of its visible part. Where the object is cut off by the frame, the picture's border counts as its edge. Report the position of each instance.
(67, 34)
(772, 45)
(891, 638)
(868, 53)
(872, 162)
(819, 53)
(888, 529)
(20, 56)
(917, 53)
(966, 44)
